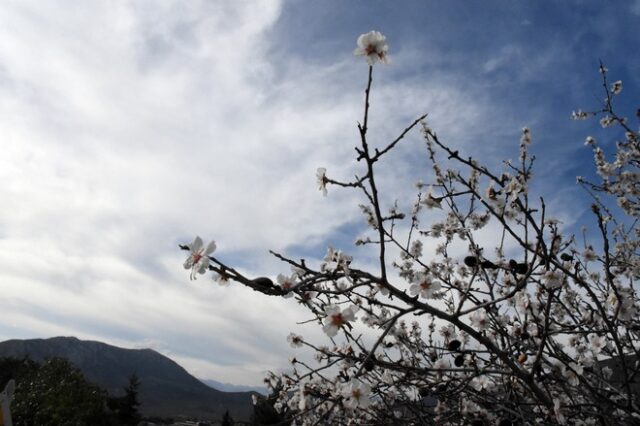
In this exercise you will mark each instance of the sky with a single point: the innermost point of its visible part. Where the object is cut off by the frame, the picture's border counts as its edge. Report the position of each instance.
(129, 127)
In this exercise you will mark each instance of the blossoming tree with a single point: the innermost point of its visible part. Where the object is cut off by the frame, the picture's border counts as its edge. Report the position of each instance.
(546, 333)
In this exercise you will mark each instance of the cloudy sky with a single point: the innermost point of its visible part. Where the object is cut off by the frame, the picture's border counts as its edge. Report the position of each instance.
(128, 127)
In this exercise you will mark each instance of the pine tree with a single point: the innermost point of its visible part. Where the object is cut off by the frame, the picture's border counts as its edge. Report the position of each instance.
(227, 420)
(126, 407)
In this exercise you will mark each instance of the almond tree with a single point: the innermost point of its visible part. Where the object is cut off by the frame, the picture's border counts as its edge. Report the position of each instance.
(543, 333)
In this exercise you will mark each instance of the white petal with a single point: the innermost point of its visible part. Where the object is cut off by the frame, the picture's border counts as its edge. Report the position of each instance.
(188, 263)
(210, 248)
(196, 244)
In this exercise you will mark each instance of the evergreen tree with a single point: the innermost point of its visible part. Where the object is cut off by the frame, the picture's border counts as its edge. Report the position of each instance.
(227, 420)
(126, 407)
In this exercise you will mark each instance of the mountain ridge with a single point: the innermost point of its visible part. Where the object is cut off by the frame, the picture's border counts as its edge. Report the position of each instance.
(166, 388)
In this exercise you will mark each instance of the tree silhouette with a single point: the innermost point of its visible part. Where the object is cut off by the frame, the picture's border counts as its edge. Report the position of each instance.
(126, 407)
(227, 420)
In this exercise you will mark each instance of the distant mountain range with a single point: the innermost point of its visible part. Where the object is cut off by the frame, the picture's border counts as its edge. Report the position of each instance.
(230, 387)
(166, 389)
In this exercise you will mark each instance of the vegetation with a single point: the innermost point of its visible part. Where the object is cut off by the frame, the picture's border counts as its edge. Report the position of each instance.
(57, 394)
(125, 407)
(226, 419)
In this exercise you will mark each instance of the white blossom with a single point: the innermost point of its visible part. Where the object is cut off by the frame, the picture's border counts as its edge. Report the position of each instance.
(579, 115)
(373, 46)
(198, 260)
(479, 319)
(441, 364)
(597, 343)
(356, 394)
(286, 283)
(553, 279)
(432, 202)
(606, 121)
(222, 279)
(335, 318)
(322, 180)
(294, 340)
(589, 255)
(424, 285)
(616, 87)
(558, 412)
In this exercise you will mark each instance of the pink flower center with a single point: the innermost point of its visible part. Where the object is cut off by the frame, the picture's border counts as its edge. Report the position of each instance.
(370, 49)
(196, 257)
(425, 285)
(337, 320)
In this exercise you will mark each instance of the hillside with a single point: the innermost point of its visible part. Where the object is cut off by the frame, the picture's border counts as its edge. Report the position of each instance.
(166, 390)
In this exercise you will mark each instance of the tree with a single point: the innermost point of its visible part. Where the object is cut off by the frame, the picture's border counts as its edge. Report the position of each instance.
(126, 407)
(226, 419)
(527, 328)
(264, 411)
(54, 393)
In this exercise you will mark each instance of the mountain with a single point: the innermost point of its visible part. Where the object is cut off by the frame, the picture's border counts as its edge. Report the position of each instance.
(166, 389)
(230, 387)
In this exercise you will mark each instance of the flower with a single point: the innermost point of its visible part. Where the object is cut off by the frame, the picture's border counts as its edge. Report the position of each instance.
(336, 319)
(553, 279)
(441, 364)
(616, 87)
(579, 115)
(356, 394)
(308, 296)
(321, 176)
(526, 136)
(294, 340)
(423, 285)
(373, 46)
(571, 373)
(589, 255)
(336, 260)
(432, 202)
(597, 343)
(222, 279)
(479, 319)
(558, 412)
(198, 260)
(416, 249)
(286, 283)
(480, 382)
(606, 121)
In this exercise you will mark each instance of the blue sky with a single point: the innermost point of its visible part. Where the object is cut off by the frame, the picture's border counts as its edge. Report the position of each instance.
(130, 127)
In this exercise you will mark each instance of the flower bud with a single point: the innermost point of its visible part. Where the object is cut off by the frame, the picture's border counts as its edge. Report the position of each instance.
(471, 261)
(487, 264)
(454, 345)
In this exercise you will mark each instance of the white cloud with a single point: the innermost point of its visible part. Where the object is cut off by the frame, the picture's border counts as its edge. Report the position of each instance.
(130, 127)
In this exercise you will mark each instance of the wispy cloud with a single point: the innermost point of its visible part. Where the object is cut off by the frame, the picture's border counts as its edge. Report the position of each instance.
(130, 127)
